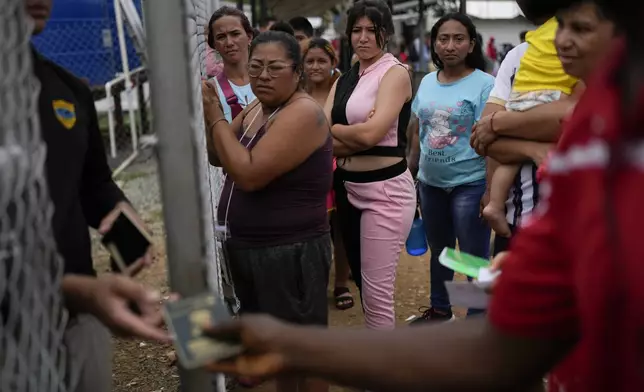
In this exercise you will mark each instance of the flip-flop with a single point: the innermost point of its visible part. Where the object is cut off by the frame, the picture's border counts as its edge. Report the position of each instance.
(343, 298)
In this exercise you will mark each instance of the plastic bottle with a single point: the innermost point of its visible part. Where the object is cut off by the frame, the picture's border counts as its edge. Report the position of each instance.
(417, 241)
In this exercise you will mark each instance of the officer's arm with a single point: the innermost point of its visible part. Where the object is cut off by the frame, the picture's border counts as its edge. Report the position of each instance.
(99, 193)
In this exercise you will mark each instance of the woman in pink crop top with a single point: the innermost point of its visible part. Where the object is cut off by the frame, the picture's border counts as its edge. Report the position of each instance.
(369, 108)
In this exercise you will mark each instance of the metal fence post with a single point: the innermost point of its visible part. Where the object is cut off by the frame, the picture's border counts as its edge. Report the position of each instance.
(173, 105)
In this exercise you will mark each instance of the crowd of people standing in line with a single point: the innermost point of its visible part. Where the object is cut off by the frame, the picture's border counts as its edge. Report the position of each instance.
(373, 190)
(459, 128)
(373, 195)
(459, 135)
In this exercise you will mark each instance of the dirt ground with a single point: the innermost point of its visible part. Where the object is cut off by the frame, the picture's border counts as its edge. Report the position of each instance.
(146, 367)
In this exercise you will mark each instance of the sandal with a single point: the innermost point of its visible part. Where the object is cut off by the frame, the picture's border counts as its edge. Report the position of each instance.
(343, 298)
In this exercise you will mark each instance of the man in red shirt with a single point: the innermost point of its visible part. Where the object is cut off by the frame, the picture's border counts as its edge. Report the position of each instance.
(573, 278)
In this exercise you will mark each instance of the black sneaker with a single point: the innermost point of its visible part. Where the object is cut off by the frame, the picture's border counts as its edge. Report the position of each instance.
(430, 315)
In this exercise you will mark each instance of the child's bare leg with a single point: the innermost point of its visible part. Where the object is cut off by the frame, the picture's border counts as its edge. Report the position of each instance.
(494, 212)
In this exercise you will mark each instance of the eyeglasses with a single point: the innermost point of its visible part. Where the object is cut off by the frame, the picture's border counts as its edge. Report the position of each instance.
(273, 70)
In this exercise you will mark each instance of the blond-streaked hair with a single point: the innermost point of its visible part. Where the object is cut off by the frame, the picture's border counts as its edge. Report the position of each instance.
(327, 48)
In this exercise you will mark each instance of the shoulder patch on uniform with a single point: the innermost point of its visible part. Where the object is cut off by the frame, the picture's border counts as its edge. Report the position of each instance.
(65, 112)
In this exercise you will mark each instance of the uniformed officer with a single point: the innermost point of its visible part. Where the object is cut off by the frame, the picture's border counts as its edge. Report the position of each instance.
(84, 194)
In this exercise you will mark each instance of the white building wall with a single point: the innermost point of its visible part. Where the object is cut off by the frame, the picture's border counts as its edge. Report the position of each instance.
(504, 31)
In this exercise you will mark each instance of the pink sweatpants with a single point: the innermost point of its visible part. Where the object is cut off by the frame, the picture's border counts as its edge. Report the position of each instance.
(387, 212)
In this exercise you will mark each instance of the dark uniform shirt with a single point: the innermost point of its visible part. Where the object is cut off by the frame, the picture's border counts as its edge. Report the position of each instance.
(79, 178)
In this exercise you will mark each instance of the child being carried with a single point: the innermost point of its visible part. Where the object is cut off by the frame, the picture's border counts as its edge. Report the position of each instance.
(539, 80)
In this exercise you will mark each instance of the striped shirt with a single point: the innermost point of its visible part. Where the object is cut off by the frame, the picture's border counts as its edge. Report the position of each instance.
(524, 194)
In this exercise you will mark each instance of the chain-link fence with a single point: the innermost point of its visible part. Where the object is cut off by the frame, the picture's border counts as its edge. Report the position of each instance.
(31, 318)
(84, 38)
(212, 185)
(31, 315)
(176, 44)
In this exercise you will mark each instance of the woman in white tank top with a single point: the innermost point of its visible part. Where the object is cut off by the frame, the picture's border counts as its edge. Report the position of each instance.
(230, 34)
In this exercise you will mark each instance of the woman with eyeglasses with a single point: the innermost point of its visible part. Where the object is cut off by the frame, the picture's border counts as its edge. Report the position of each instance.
(278, 158)
(229, 34)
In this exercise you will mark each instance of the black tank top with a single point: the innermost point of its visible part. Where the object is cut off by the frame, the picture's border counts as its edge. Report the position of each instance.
(292, 208)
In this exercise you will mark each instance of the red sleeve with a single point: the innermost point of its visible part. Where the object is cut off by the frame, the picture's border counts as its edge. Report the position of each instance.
(535, 293)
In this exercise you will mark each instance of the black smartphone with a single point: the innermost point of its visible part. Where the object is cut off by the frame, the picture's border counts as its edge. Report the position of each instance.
(126, 241)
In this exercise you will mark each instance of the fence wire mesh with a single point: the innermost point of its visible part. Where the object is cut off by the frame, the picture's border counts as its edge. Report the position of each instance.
(199, 12)
(85, 41)
(31, 313)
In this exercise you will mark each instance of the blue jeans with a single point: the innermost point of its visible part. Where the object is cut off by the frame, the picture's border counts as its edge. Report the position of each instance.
(450, 214)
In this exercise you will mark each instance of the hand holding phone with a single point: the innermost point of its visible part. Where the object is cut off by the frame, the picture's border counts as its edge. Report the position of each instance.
(127, 240)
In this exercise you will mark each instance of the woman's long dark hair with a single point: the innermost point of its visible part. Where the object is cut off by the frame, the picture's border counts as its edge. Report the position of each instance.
(473, 60)
(280, 25)
(380, 15)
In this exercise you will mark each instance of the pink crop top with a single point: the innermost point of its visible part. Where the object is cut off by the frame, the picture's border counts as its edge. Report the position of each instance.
(354, 101)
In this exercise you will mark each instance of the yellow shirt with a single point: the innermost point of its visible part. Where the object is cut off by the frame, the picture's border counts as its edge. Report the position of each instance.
(540, 67)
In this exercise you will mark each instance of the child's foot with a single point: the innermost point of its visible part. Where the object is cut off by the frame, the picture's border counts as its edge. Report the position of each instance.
(496, 218)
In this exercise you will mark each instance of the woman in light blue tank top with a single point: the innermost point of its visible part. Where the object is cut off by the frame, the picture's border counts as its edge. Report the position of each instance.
(230, 34)
(451, 175)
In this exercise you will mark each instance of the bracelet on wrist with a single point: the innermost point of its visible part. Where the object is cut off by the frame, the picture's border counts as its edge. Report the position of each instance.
(212, 125)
